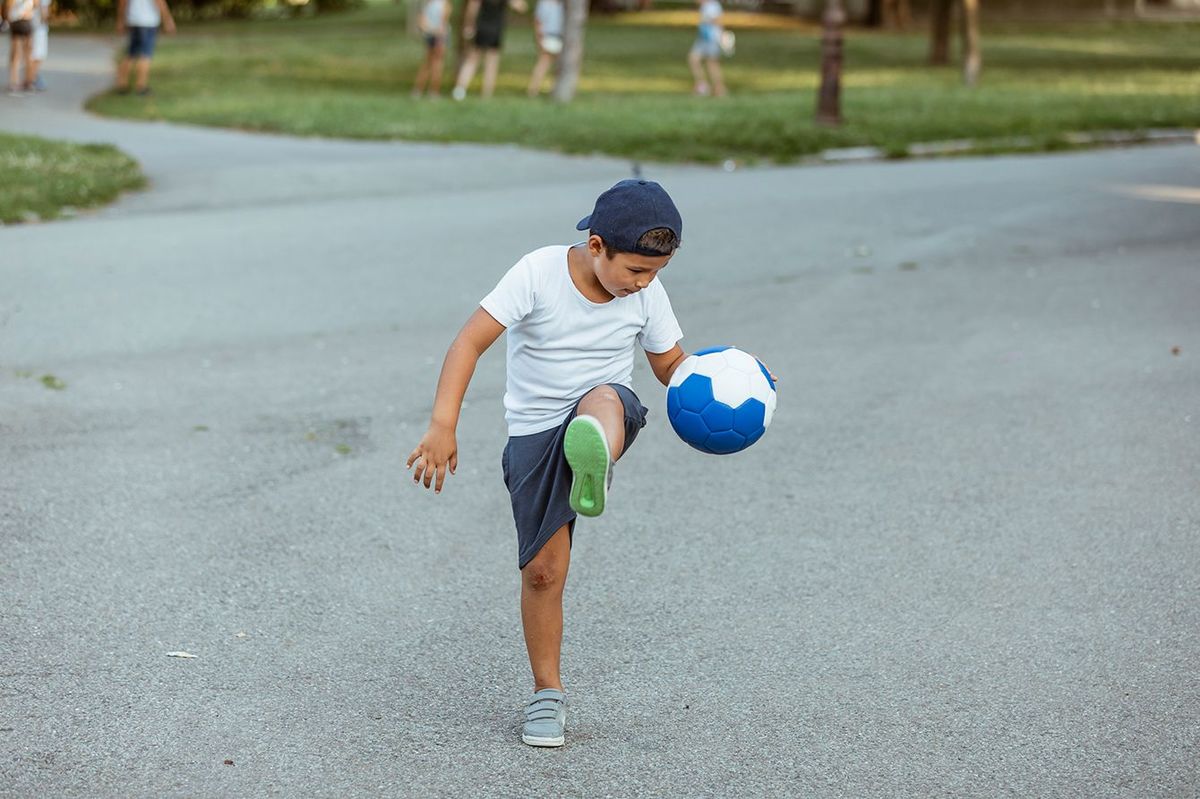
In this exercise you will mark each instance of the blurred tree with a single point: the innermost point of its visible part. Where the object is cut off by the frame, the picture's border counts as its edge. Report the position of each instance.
(940, 13)
(889, 14)
(571, 61)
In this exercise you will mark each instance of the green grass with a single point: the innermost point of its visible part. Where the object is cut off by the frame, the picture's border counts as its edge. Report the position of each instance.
(348, 76)
(41, 179)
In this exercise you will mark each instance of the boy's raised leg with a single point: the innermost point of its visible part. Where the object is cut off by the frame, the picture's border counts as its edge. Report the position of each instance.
(594, 441)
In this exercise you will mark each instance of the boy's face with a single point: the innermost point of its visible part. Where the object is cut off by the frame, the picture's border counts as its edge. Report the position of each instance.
(626, 272)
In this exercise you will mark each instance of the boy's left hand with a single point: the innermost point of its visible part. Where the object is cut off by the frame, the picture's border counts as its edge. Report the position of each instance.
(774, 379)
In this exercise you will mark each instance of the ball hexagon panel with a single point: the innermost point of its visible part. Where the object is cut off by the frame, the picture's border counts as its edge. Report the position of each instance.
(731, 387)
(690, 428)
(748, 418)
(742, 361)
(725, 442)
(695, 393)
(718, 417)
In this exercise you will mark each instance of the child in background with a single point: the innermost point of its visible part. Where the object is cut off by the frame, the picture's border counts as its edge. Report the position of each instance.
(19, 14)
(142, 19)
(707, 47)
(548, 33)
(435, 21)
(41, 43)
(483, 26)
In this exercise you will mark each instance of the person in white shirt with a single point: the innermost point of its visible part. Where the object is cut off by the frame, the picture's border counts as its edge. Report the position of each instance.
(20, 17)
(142, 19)
(434, 22)
(707, 49)
(548, 34)
(574, 316)
(41, 44)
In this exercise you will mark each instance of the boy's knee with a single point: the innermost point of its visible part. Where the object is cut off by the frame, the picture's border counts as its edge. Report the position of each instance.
(542, 576)
(606, 395)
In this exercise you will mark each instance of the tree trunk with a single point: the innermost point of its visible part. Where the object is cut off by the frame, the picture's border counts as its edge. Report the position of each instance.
(939, 39)
(875, 13)
(571, 61)
(829, 97)
(972, 57)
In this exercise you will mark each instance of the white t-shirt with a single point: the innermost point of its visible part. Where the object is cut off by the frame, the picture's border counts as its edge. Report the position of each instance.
(561, 344)
(549, 14)
(142, 14)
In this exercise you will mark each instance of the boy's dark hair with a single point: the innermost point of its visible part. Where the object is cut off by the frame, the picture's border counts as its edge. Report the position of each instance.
(659, 240)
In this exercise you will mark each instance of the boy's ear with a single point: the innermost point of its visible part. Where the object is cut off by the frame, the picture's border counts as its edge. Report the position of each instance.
(595, 245)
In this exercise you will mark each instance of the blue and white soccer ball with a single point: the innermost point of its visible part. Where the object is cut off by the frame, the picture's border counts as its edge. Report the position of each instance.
(721, 400)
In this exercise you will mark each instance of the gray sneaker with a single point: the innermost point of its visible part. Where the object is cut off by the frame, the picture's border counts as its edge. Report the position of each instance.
(545, 718)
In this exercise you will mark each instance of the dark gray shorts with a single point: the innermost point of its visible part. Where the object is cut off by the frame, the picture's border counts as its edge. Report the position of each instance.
(539, 480)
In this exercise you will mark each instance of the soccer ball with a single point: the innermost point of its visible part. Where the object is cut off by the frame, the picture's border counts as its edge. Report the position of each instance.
(721, 400)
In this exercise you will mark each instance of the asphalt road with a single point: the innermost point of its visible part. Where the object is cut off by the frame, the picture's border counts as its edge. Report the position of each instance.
(963, 561)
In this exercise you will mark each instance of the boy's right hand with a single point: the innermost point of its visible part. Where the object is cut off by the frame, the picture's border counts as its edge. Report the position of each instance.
(437, 453)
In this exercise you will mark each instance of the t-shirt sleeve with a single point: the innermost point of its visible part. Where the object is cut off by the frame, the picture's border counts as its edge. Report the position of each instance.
(512, 299)
(661, 331)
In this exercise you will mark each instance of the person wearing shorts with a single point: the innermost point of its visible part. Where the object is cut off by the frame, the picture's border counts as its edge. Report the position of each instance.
(706, 50)
(434, 22)
(574, 317)
(483, 26)
(20, 16)
(39, 44)
(141, 18)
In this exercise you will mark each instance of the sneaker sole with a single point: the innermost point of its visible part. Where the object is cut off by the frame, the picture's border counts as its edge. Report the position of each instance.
(525, 739)
(587, 454)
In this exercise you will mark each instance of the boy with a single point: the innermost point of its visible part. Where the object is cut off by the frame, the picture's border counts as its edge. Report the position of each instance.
(573, 315)
(434, 22)
(142, 18)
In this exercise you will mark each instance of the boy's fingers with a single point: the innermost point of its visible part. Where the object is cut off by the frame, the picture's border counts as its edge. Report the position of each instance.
(412, 456)
(454, 463)
(441, 478)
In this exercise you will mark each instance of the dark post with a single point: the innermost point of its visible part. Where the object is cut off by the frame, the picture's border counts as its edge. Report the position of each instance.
(829, 98)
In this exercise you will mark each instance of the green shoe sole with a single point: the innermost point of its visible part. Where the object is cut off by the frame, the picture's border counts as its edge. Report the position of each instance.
(587, 454)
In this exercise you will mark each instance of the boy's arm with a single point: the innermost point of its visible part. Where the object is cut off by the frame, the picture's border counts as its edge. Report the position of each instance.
(438, 450)
(121, 5)
(168, 20)
(664, 364)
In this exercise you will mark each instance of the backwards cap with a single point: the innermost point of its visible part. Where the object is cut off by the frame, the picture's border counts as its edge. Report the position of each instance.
(629, 209)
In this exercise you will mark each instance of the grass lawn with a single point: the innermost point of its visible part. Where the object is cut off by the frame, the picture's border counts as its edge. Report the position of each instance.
(39, 178)
(349, 76)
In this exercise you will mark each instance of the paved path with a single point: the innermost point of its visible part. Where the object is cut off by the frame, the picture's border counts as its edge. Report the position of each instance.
(963, 562)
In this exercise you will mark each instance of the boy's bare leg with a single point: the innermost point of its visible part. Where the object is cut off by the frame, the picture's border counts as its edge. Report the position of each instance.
(605, 404)
(491, 68)
(141, 71)
(542, 583)
(123, 72)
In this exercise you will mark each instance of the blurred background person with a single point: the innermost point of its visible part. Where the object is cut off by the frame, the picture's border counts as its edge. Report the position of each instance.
(434, 24)
(141, 18)
(707, 49)
(483, 25)
(548, 33)
(40, 45)
(19, 14)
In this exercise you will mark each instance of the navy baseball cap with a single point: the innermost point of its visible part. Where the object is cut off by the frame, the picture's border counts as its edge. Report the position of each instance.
(629, 209)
